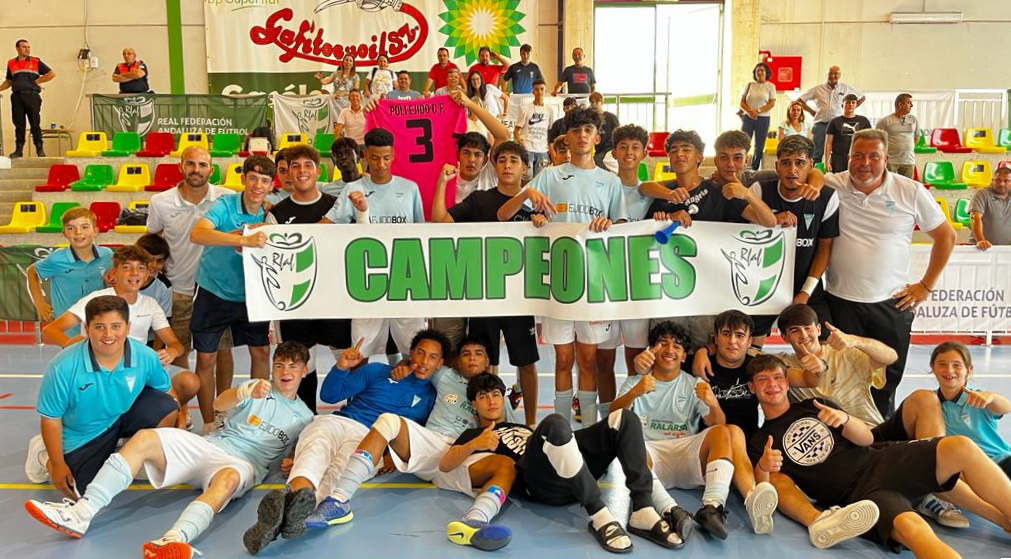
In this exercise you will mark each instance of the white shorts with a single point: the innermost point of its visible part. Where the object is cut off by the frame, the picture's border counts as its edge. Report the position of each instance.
(374, 331)
(192, 459)
(676, 462)
(635, 332)
(323, 450)
(427, 450)
(558, 332)
(458, 479)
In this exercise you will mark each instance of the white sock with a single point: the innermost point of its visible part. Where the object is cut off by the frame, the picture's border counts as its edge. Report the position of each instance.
(719, 474)
(193, 521)
(111, 480)
(563, 403)
(587, 406)
(662, 499)
(486, 505)
(601, 517)
(644, 518)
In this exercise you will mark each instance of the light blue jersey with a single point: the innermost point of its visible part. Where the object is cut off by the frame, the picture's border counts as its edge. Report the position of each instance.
(635, 203)
(89, 399)
(71, 278)
(977, 424)
(275, 198)
(453, 414)
(671, 411)
(333, 188)
(579, 195)
(261, 430)
(398, 201)
(220, 270)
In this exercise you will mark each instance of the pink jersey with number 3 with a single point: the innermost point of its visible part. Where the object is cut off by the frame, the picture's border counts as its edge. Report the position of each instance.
(423, 140)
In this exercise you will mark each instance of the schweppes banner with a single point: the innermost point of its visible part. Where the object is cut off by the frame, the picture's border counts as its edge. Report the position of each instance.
(561, 270)
(269, 46)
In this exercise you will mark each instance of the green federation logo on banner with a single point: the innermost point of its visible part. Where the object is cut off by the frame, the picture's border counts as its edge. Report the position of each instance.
(135, 114)
(288, 272)
(756, 267)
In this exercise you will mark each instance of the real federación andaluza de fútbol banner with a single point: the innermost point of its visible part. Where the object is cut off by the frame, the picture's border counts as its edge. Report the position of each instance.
(561, 270)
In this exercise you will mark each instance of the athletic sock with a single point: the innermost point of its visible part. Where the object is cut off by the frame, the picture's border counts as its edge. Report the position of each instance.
(192, 522)
(588, 406)
(644, 518)
(111, 480)
(487, 505)
(662, 499)
(605, 410)
(356, 471)
(602, 517)
(563, 403)
(719, 474)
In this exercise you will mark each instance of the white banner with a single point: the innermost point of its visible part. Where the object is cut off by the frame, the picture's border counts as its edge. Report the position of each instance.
(973, 295)
(307, 115)
(512, 269)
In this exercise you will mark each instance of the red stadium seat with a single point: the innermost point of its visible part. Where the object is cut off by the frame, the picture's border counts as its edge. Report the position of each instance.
(60, 177)
(166, 176)
(654, 148)
(948, 141)
(106, 213)
(157, 144)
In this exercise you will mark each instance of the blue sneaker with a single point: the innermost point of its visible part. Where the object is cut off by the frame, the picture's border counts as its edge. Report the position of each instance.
(481, 535)
(330, 512)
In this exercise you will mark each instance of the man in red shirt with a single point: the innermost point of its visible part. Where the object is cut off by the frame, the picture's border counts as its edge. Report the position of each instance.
(490, 73)
(437, 75)
(25, 73)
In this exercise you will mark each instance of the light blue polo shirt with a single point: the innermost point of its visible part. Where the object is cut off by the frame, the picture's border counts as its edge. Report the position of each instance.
(579, 195)
(398, 201)
(977, 424)
(71, 278)
(90, 399)
(220, 270)
(453, 413)
(261, 430)
(671, 411)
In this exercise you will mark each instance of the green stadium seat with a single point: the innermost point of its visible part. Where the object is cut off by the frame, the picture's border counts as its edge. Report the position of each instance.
(643, 172)
(55, 224)
(124, 144)
(215, 177)
(96, 177)
(225, 145)
(941, 175)
(322, 143)
(1004, 138)
(962, 211)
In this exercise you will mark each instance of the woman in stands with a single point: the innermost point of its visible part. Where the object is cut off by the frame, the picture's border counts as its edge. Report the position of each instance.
(794, 123)
(344, 79)
(381, 81)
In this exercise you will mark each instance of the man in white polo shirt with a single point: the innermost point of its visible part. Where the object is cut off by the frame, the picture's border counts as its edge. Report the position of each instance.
(867, 279)
(828, 97)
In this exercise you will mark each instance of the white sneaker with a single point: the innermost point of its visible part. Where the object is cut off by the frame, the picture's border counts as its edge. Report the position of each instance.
(63, 517)
(945, 513)
(168, 547)
(840, 524)
(216, 425)
(35, 464)
(761, 503)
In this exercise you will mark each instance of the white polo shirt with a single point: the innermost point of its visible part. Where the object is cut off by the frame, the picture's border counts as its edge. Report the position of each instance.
(145, 314)
(174, 218)
(829, 101)
(870, 257)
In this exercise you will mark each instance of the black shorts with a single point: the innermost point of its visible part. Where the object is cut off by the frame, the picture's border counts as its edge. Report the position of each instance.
(520, 337)
(1005, 466)
(333, 332)
(900, 475)
(147, 411)
(892, 430)
(212, 315)
(817, 301)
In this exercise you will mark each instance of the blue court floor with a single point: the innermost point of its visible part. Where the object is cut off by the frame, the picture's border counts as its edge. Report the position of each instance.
(397, 517)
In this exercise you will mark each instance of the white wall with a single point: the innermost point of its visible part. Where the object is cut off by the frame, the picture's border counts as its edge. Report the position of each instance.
(876, 55)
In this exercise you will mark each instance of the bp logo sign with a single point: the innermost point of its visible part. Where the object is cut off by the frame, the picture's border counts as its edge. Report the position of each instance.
(756, 267)
(135, 114)
(288, 270)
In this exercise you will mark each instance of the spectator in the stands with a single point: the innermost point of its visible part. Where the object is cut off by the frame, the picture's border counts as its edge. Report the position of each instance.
(523, 74)
(757, 101)
(828, 97)
(439, 74)
(577, 78)
(990, 212)
(901, 128)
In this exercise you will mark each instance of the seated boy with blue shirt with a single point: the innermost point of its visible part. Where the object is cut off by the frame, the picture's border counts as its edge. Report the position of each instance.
(97, 391)
(264, 420)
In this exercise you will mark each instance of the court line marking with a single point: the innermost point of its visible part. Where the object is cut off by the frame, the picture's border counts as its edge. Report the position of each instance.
(541, 375)
(261, 487)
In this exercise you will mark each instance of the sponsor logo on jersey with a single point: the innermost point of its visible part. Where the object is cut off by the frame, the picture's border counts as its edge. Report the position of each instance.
(268, 428)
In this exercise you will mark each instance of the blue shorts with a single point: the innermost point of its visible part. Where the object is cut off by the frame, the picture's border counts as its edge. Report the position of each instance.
(212, 315)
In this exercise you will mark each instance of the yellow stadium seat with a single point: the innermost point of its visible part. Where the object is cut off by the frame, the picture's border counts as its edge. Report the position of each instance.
(289, 140)
(188, 139)
(981, 141)
(771, 145)
(139, 205)
(90, 144)
(136, 229)
(133, 177)
(233, 178)
(662, 172)
(977, 174)
(946, 210)
(26, 217)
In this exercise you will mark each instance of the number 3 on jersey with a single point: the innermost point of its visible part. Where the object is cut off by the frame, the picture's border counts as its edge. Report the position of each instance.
(423, 140)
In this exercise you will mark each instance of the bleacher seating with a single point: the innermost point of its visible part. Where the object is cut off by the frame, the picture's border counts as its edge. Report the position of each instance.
(26, 217)
(947, 140)
(124, 144)
(233, 178)
(132, 178)
(90, 144)
(225, 145)
(654, 147)
(1004, 138)
(946, 210)
(921, 143)
(662, 172)
(55, 224)
(166, 176)
(96, 177)
(322, 143)
(190, 139)
(962, 211)
(106, 214)
(134, 229)
(977, 174)
(60, 177)
(215, 177)
(157, 144)
(941, 175)
(643, 172)
(771, 144)
(981, 141)
(288, 140)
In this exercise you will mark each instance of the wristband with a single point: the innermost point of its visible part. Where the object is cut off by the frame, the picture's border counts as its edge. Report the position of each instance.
(761, 468)
(848, 417)
(810, 284)
(362, 217)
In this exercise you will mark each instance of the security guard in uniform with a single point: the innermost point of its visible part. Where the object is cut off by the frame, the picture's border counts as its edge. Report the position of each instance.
(24, 74)
(131, 74)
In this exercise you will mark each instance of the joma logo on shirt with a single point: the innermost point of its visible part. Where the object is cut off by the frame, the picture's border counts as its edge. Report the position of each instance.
(268, 429)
